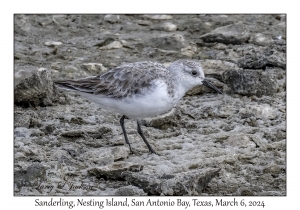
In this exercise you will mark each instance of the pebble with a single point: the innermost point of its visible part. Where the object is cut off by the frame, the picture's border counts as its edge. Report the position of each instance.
(237, 33)
(164, 27)
(60, 20)
(112, 18)
(112, 45)
(260, 39)
(94, 67)
(159, 17)
(144, 22)
(53, 43)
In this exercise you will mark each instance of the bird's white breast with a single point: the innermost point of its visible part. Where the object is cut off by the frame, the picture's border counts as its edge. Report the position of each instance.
(151, 103)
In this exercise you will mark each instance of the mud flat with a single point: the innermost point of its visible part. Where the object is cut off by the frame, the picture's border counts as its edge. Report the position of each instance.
(231, 144)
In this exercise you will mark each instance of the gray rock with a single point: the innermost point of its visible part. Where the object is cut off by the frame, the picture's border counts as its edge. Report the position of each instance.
(120, 152)
(250, 82)
(22, 132)
(263, 111)
(216, 68)
(37, 90)
(34, 174)
(168, 42)
(130, 191)
(241, 141)
(73, 134)
(244, 191)
(274, 170)
(232, 34)
(37, 132)
(189, 51)
(186, 183)
(165, 121)
(261, 39)
(21, 74)
(22, 120)
(115, 171)
(258, 58)
(278, 30)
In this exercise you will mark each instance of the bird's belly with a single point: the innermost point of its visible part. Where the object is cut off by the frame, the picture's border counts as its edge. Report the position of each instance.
(144, 107)
(150, 104)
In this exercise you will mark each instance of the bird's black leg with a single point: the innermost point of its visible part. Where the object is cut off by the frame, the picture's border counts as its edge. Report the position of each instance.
(124, 132)
(139, 130)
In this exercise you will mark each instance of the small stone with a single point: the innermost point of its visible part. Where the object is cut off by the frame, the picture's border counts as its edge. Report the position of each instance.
(112, 18)
(22, 132)
(22, 120)
(115, 171)
(73, 134)
(261, 111)
(37, 133)
(169, 119)
(185, 183)
(274, 170)
(100, 156)
(70, 69)
(120, 152)
(53, 43)
(164, 27)
(279, 30)
(254, 57)
(45, 21)
(21, 75)
(130, 191)
(159, 17)
(240, 141)
(231, 34)
(169, 42)
(250, 82)
(36, 90)
(94, 67)
(144, 22)
(112, 45)
(260, 39)
(245, 192)
(35, 173)
(217, 67)
(48, 129)
(127, 44)
(60, 20)
(189, 51)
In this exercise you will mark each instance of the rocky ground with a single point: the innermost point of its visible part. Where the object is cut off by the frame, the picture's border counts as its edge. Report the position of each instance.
(210, 144)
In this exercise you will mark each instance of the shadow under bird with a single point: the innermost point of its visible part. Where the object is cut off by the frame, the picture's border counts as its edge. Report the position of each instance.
(141, 89)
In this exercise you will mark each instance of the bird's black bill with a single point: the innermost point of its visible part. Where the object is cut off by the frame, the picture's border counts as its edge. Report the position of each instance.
(211, 86)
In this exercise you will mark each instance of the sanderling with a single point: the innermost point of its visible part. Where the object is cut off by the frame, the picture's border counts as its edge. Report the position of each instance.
(141, 89)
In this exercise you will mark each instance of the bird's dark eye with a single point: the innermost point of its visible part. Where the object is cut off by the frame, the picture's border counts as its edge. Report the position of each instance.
(194, 73)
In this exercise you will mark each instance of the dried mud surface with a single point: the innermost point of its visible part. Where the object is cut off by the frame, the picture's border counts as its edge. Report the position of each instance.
(209, 144)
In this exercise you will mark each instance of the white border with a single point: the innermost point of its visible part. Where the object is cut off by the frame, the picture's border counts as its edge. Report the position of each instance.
(153, 6)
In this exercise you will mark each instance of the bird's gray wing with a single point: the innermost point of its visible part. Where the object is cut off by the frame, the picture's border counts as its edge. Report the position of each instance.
(122, 81)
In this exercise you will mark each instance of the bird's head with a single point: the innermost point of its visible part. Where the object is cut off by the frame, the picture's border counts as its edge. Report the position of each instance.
(190, 74)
